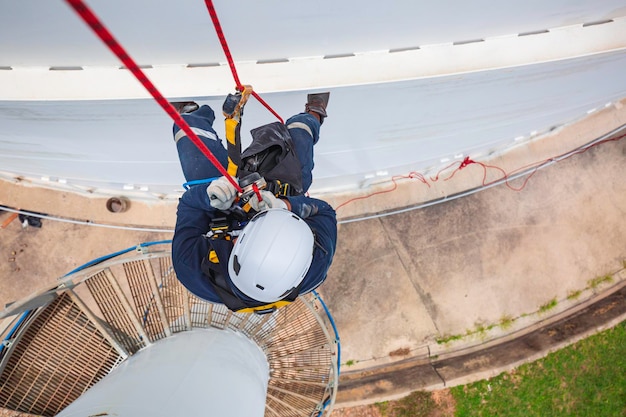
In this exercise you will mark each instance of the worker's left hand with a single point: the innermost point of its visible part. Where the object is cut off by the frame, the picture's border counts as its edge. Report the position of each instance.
(268, 201)
(221, 193)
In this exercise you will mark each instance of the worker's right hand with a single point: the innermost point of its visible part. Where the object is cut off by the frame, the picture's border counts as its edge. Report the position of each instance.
(268, 201)
(221, 193)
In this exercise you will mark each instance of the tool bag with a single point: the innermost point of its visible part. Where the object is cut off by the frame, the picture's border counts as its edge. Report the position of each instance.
(272, 154)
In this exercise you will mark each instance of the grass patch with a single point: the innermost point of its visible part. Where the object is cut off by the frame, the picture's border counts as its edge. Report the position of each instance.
(416, 404)
(506, 322)
(447, 339)
(594, 283)
(573, 295)
(350, 362)
(585, 379)
(548, 306)
(480, 329)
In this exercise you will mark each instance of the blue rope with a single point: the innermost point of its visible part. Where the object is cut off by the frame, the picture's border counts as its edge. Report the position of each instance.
(80, 268)
(332, 322)
(196, 182)
(13, 330)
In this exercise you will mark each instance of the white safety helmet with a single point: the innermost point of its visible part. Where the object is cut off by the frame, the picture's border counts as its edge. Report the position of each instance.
(271, 256)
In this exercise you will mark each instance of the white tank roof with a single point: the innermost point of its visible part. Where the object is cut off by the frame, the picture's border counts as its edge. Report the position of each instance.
(413, 86)
(201, 372)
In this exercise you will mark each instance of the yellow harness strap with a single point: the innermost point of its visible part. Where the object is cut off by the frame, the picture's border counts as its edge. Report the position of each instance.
(233, 140)
(213, 257)
(265, 308)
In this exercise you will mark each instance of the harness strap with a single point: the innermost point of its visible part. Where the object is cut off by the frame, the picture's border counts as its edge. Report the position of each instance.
(268, 308)
(230, 300)
(233, 112)
(211, 268)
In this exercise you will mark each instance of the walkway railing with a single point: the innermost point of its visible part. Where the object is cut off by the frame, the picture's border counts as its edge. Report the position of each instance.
(62, 340)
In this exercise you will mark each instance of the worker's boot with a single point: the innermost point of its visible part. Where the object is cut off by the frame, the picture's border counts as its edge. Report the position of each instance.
(185, 106)
(316, 103)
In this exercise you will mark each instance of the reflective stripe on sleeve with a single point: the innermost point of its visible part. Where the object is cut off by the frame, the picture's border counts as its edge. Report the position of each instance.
(200, 132)
(300, 125)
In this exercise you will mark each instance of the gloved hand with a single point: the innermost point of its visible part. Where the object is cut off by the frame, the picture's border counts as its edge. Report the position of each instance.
(221, 193)
(268, 201)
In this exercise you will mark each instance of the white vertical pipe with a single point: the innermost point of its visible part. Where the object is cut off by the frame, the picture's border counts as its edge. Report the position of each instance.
(204, 372)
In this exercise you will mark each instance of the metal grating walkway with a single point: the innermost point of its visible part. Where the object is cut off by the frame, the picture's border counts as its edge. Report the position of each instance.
(56, 358)
(128, 303)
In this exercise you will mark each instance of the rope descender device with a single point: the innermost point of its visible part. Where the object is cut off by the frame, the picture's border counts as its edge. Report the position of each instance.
(233, 105)
(251, 185)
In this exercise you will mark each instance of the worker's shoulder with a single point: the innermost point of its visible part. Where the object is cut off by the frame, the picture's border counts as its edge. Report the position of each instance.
(306, 207)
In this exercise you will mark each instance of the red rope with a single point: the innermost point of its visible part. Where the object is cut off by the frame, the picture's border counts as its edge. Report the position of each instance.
(229, 57)
(222, 39)
(411, 175)
(103, 33)
(505, 176)
(257, 192)
(267, 106)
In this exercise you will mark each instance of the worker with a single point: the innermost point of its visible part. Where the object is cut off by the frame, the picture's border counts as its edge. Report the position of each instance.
(262, 263)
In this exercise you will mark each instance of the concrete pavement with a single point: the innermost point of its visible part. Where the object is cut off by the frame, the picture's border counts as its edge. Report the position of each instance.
(467, 273)
(403, 281)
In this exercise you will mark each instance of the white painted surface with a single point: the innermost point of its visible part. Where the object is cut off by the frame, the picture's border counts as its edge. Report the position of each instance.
(302, 73)
(201, 372)
(393, 127)
(180, 32)
(390, 112)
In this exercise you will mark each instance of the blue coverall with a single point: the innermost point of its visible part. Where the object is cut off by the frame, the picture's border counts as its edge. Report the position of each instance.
(195, 212)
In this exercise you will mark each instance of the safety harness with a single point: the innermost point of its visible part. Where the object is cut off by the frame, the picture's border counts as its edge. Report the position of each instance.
(269, 163)
(236, 302)
(222, 232)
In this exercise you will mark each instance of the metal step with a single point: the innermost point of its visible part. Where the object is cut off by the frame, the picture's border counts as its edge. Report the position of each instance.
(147, 298)
(56, 358)
(285, 404)
(117, 311)
(174, 297)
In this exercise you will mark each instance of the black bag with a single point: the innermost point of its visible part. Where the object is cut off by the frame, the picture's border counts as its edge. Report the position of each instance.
(273, 156)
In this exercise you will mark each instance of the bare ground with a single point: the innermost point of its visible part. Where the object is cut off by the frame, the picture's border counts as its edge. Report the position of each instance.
(445, 407)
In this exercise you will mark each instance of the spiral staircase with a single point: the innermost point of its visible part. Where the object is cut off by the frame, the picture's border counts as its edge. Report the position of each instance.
(63, 340)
